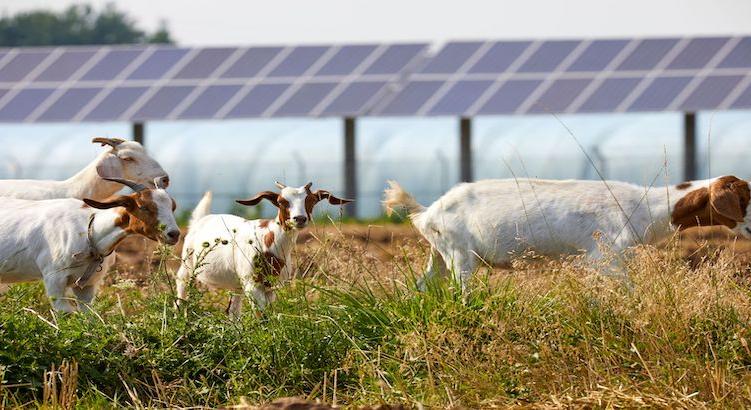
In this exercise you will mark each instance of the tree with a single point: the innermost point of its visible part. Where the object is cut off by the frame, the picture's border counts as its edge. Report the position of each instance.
(76, 25)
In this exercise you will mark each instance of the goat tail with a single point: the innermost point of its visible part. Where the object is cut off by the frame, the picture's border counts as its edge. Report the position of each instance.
(395, 196)
(202, 209)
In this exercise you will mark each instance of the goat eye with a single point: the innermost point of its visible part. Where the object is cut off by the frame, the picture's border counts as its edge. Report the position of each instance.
(129, 159)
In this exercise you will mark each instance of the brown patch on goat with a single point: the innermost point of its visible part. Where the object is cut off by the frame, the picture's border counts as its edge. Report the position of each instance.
(265, 266)
(268, 239)
(283, 215)
(264, 223)
(724, 202)
(683, 185)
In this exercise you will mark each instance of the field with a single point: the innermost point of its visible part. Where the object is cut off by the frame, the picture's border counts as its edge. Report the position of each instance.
(352, 331)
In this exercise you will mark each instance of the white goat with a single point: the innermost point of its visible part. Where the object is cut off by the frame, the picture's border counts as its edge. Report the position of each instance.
(125, 160)
(229, 252)
(492, 220)
(64, 242)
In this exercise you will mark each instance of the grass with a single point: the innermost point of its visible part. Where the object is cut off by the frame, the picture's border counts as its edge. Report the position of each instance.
(552, 333)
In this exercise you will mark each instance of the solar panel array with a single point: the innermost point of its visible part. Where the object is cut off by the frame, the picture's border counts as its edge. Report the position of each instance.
(142, 83)
(167, 83)
(566, 76)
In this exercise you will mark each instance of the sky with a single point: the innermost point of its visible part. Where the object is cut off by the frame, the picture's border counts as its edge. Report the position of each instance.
(237, 22)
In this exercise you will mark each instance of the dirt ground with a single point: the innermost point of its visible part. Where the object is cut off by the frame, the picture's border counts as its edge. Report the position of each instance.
(385, 242)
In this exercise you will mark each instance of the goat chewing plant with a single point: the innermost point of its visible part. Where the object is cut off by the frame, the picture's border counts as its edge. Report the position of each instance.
(554, 333)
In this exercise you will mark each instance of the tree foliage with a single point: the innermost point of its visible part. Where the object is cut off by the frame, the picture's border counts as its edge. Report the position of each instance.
(79, 24)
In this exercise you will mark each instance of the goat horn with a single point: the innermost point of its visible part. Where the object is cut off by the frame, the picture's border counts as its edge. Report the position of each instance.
(308, 185)
(113, 142)
(280, 185)
(136, 187)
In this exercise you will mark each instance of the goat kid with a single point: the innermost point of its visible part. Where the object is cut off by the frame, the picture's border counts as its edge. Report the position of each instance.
(247, 256)
(65, 242)
(492, 220)
(125, 160)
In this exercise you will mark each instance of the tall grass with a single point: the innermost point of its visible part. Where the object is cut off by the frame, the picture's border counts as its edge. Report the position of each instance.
(551, 333)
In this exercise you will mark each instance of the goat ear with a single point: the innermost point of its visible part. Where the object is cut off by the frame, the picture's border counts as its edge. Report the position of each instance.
(688, 208)
(272, 197)
(110, 167)
(725, 200)
(124, 201)
(113, 142)
(321, 195)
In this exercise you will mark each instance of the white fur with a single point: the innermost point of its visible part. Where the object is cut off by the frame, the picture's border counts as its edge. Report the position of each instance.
(128, 160)
(232, 265)
(47, 240)
(492, 220)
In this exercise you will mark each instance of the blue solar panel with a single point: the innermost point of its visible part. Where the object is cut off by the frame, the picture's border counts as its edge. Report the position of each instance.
(499, 57)
(509, 97)
(395, 58)
(660, 93)
(743, 100)
(21, 65)
(411, 98)
(204, 63)
(451, 58)
(162, 102)
(114, 105)
(609, 95)
(711, 92)
(559, 95)
(548, 56)
(257, 100)
(65, 65)
(69, 104)
(24, 103)
(697, 53)
(354, 98)
(158, 63)
(460, 97)
(647, 54)
(251, 62)
(740, 56)
(305, 99)
(210, 101)
(298, 61)
(598, 55)
(111, 65)
(346, 60)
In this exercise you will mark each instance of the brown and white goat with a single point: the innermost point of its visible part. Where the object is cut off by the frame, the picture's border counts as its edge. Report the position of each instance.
(247, 256)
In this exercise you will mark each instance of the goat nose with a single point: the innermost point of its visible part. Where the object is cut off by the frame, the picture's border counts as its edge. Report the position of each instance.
(301, 219)
(173, 235)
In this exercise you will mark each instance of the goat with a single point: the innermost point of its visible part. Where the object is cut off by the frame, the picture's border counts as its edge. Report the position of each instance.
(125, 160)
(492, 220)
(229, 252)
(65, 242)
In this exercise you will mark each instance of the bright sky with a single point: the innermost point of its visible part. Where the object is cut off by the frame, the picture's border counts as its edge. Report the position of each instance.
(235, 22)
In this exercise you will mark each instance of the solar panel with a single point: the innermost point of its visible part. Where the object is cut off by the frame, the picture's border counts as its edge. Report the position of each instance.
(24, 103)
(346, 60)
(647, 54)
(135, 83)
(451, 57)
(499, 57)
(559, 95)
(111, 65)
(69, 104)
(548, 56)
(659, 94)
(65, 65)
(21, 65)
(598, 55)
(210, 101)
(158, 63)
(204, 63)
(115, 104)
(460, 97)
